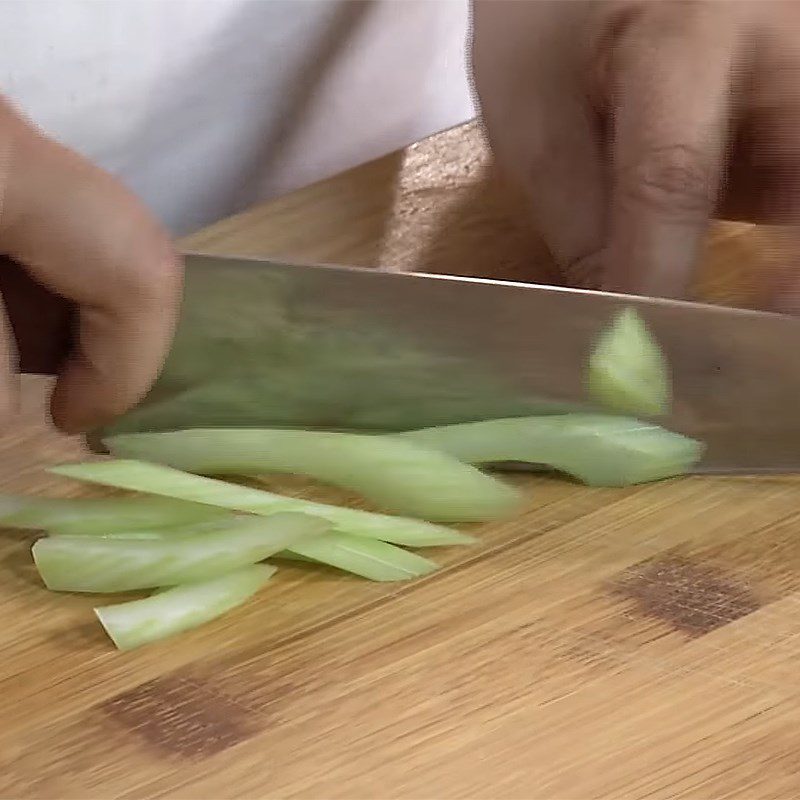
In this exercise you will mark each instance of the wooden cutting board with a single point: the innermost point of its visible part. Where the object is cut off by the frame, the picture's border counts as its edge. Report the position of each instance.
(632, 643)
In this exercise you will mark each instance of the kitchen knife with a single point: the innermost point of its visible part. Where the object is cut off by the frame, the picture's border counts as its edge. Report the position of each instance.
(264, 343)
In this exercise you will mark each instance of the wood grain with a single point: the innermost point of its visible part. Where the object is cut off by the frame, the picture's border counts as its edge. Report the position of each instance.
(633, 643)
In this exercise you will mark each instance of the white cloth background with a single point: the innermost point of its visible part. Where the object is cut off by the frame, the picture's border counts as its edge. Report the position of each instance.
(206, 106)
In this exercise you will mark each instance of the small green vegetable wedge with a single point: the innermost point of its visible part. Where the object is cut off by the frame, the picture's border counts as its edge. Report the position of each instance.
(140, 476)
(82, 564)
(398, 475)
(182, 608)
(627, 370)
(596, 449)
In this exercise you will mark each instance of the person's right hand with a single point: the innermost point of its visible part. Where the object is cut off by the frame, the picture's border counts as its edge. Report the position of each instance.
(79, 234)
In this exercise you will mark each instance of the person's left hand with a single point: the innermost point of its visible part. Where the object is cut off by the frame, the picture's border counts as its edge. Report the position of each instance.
(628, 124)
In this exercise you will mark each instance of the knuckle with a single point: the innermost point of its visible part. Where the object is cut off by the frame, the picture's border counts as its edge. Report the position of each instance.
(673, 181)
(101, 410)
(585, 272)
(154, 279)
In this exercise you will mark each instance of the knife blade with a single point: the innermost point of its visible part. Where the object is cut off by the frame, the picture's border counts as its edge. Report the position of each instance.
(267, 343)
(314, 346)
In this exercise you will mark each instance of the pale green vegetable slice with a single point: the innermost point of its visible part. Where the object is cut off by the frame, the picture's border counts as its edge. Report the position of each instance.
(398, 475)
(161, 533)
(182, 608)
(81, 564)
(172, 532)
(288, 555)
(369, 558)
(627, 370)
(157, 479)
(101, 515)
(597, 450)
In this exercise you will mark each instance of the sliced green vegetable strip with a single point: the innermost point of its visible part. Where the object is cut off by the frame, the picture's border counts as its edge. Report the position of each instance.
(172, 611)
(627, 370)
(595, 449)
(188, 533)
(156, 479)
(161, 533)
(288, 555)
(398, 475)
(369, 558)
(106, 515)
(81, 564)
(172, 532)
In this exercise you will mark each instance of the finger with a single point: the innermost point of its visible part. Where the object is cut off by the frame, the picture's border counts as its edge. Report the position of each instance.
(782, 212)
(774, 123)
(85, 237)
(41, 321)
(780, 275)
(541, 128)
(764, 188)
(9, 380)
(562, 172)
(672, 75)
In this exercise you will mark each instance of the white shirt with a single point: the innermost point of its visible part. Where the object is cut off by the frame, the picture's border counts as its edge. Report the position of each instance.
(204, 107)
